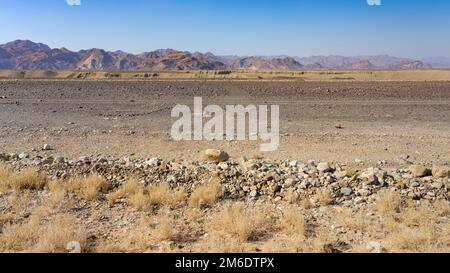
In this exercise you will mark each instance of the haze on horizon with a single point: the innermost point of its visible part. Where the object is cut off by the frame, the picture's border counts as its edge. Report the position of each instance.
(415, 29)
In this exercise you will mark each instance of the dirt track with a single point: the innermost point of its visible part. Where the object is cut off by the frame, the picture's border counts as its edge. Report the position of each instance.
(381, 120)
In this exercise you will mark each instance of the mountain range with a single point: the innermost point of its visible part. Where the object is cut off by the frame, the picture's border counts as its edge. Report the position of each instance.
(28, 55)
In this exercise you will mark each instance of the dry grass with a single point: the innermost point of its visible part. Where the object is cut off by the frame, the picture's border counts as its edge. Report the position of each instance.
(5, 173)
(206, 194)
(388, 203)
(305, 203)
(358, 221)
(239, 221)
(55, 236)
(88, 188)
(139, 200)
(165, 227)
(160, 195)
(37, 235)
(163, 195)
(27, 179)
(127, 189)
(325, 198)
(292, 222)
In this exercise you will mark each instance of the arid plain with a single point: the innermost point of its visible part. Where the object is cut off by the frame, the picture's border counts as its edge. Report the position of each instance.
(361, 163)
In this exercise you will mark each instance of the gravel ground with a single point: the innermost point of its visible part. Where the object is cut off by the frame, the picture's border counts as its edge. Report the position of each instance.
(378, 120)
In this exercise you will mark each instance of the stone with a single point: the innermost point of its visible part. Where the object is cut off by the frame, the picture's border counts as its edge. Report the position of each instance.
(324, 167)
(23, 156)
(419, 170)
(47, 147)
(216, 155)
(346, 191)
(437, 185)
(154, 162)
(441, 171)
(73, 247)
(374, 247)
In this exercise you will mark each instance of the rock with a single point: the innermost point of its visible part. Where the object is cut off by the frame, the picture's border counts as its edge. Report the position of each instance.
(289, 182)
(437, 185)
(223, 165)
(419, 170)
(154, 162)
(47, 147)
(374, 247)
(324, 167)
(441, 171)
(23, 156)
(253, 193)
(216, 155)
(346, 191)
(73, 247)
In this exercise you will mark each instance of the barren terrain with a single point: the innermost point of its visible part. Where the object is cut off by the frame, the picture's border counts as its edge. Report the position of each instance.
(362, 167)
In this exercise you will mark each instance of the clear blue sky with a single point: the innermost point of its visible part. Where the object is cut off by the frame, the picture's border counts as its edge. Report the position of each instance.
(409, 28)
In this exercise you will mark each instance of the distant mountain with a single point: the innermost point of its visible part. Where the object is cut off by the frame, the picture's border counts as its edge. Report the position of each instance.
(259, 63)
(363, 62)
(438, 62)
(24, 54)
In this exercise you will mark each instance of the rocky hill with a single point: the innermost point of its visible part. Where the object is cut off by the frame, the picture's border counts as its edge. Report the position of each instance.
(28, 55)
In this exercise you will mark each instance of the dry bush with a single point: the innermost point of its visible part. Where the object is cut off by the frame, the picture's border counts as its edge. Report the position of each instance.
(37, 235)
(127, 189)
(27, 179)
(360, 221)
(54, 236)
(442, 208)
(325, 198)
(153, 195)
(163, 195)
(219, 243)
(292, 222)
(165, 227)
(88, 188)
(423, 238)
(20, 236)
(206, 194)
(5, 174)
(20, 201)
(305, 203)
(6, 218)
(319, 243)
(241, 222)
(139, 200)
(388, 203)
(135, 240)
(291, 196)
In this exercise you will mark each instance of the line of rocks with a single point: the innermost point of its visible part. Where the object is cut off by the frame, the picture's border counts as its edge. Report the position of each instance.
(252, 179)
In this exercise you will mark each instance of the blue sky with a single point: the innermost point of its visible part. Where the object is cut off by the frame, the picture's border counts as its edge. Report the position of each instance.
(408, 28)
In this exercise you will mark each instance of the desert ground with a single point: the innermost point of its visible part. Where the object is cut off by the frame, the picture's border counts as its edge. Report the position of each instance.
(362, 167)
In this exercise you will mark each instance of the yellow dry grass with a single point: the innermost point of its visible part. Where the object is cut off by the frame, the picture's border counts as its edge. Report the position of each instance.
(238, 221)
(87, 188)
(206, 194)
(27, 179)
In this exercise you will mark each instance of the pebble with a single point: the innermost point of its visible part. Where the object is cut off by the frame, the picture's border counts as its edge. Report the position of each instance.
(47, 147)
(324, 167)
(346, 191)
(441, 171)
(373, 247)
(419, 170)
(216, 155)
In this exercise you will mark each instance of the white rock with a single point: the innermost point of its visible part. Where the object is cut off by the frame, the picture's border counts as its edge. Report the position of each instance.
(73, 247)
(373, 247)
